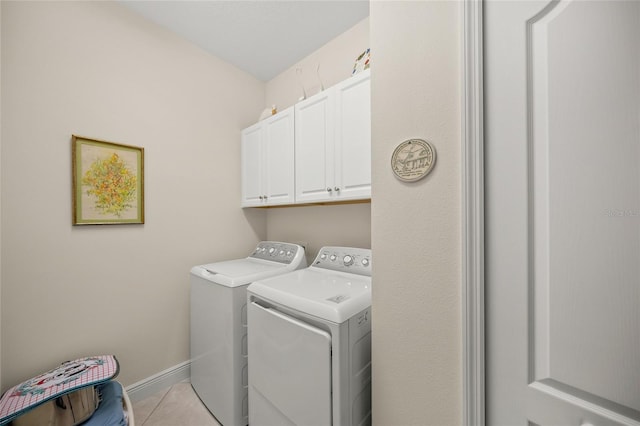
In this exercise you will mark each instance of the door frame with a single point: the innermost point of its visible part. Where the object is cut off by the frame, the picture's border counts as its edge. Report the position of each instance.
(473, 321)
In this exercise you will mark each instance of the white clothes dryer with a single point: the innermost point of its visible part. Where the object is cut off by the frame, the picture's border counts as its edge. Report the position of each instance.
(219, 325)
(310, 343)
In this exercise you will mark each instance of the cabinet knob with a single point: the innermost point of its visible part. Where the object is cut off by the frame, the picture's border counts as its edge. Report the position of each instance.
(329, 189)
(265, 197)
(336, 189)
(260, 197)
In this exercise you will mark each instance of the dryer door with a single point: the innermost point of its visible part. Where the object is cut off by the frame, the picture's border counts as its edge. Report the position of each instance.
(289, 370)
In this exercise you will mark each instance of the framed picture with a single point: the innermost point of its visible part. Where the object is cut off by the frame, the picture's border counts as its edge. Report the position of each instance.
(108, 182)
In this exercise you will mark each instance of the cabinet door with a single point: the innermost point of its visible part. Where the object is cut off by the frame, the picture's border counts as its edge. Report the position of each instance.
(353, 138)
(251, 166)
(279, 176)
(314, 151)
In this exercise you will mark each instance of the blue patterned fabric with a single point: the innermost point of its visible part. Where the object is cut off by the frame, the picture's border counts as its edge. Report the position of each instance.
(110, 412)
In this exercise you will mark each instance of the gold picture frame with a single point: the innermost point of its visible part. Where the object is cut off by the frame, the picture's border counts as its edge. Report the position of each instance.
(108, 182)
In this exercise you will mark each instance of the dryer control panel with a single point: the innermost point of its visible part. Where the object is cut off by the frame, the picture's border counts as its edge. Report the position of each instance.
(345, 259)
(276, 251)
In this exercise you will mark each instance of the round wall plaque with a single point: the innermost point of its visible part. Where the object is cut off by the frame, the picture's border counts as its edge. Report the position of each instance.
(413, 159)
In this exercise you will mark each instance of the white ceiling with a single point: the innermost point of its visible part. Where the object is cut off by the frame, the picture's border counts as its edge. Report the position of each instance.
(263, 37)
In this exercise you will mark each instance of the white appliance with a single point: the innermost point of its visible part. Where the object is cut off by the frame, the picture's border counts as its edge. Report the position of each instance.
(310, 343)
(219, 325)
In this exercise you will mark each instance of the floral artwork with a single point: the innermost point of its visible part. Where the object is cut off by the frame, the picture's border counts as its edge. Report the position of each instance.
(113, 184)
(108, 182)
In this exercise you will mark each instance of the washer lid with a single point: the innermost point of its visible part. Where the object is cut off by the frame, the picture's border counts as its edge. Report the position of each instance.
(330, 295)
(234, 273)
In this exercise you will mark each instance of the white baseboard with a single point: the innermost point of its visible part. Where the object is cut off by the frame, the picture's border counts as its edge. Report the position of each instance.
(164, 379)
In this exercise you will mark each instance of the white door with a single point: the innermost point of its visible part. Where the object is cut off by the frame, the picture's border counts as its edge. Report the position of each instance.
(562, 152)
(252, 166)
(314, 141)
(353, 138)
(279, 158)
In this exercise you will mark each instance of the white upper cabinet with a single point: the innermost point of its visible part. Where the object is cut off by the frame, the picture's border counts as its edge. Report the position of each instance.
(268, 161)
(324, 157)
(333, 143)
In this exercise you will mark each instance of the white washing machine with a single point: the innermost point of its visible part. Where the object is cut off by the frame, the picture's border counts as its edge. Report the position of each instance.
(310, 343)
(219, 325)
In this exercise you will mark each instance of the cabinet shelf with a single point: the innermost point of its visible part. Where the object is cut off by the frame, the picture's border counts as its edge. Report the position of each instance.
(318, 203)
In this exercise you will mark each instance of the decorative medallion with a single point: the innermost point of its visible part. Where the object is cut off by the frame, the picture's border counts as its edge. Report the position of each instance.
(413, 159)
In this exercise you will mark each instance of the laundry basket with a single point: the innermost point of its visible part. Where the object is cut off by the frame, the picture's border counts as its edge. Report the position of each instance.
(76, 392)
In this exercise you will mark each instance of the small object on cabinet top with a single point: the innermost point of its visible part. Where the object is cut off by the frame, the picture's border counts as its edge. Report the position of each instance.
(266, 113)
(362, 62)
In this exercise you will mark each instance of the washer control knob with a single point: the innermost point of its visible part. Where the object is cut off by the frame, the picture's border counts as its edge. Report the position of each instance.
(289, 253)
(365, 262)
(281, 253)
(333, 257)
(323, 256)
(272, 250)
(347, 260)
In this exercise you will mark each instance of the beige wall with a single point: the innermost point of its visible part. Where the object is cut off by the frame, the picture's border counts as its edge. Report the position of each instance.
(97, 70)
(416, 226)
(318, 226)
(336, 59)
(346, 225)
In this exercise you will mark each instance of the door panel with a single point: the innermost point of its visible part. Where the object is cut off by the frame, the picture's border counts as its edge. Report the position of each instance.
(289, 371)
(314, 142)
(252, 166)
(563, 212)
(279, 157)
(353, 137)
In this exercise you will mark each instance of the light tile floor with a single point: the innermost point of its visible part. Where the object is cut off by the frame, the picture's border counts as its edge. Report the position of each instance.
(176, 406)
